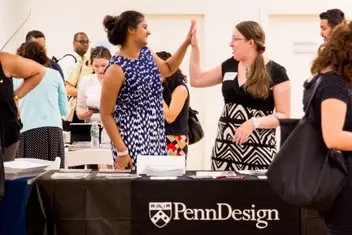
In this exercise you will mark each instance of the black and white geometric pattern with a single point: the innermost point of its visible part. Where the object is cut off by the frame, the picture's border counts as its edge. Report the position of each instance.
(139, 109)
(256, 153)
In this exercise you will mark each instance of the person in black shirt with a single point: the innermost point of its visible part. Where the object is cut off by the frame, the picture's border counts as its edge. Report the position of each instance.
(253, 88)
(176, 104)
(39, 37)
(332, 113)
(32, 73)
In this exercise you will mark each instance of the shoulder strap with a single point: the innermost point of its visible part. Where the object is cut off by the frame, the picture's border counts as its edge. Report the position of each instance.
(312, 97)
(74, 57)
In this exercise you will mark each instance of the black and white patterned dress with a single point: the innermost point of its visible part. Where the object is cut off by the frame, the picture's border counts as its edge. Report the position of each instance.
(139, 109)
(240, 106)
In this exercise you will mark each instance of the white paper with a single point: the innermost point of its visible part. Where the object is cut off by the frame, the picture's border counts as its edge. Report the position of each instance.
(163, 177)
(161, 165)
(58, 175)
(215, 173)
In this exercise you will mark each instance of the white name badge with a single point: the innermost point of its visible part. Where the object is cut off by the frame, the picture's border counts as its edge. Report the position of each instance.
(229, 76)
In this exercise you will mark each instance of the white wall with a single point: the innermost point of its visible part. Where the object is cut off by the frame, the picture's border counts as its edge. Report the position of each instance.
(292, 37)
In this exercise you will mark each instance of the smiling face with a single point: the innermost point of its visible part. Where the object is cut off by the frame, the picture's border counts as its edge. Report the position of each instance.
(240, 45)
(325, 30)
(140, 34)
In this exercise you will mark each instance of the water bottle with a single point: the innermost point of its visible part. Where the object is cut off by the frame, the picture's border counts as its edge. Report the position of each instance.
(94, 135)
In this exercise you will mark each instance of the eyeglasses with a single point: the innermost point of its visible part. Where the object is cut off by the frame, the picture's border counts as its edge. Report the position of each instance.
(83, 42)
(238, 39)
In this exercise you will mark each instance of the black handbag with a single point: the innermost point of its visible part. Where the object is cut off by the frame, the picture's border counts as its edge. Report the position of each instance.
(2, 172)
(195, 130)
(305, 172)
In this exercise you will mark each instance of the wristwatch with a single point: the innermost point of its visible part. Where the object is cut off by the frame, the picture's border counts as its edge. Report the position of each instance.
(256, 122)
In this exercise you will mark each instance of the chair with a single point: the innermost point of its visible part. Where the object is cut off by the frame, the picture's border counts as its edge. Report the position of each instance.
(88, 157)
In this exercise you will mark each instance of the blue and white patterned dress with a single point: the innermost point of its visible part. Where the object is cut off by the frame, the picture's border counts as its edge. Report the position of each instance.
(139, 109)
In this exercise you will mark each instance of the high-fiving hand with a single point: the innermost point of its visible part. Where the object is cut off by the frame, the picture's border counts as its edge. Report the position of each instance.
(191, 32)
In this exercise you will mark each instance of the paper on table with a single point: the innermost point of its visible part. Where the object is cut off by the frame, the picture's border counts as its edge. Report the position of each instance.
(215, 173)
(58, 175)
(161, 165)
(163, 177)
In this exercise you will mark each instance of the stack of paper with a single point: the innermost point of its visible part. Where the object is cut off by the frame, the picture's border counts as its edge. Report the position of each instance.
(252, 172)
(20, 169)
(165, 170)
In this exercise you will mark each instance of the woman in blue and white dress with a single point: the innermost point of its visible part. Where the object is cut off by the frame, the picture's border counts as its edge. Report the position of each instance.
(131, 102)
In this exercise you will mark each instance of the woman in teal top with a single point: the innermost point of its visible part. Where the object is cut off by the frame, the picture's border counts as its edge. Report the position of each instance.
(41, 110)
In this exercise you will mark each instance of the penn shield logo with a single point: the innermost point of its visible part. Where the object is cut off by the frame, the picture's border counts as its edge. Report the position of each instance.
(161, 213)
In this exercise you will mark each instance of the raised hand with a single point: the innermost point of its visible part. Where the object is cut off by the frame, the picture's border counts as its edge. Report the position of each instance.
(191, 32)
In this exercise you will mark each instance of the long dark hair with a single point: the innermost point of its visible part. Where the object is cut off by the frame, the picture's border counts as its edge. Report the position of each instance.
(170, 83)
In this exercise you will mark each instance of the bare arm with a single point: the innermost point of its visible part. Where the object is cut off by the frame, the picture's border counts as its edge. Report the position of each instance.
(178, 99)
(333, 115)
(198, 78)
(71, 90)
(19, 67)
(169, 66)
(282, 94)
(113, 80)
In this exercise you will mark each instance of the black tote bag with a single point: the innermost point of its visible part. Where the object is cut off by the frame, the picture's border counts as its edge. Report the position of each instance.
(2, 173)
(305, 172)
(195, 130)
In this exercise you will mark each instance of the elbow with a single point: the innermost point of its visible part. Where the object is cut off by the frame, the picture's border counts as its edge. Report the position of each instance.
(331, 141)
(170, 118)
(193, 82)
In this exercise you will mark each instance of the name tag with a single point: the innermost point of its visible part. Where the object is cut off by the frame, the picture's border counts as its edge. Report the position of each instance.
(229, 76)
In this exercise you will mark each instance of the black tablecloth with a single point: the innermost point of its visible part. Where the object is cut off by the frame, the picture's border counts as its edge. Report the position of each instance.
(204, 206)
(80, 207)
(144, 206)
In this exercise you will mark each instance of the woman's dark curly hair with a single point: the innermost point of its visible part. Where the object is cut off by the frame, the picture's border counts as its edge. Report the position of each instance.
(170, 83)
(337, 53)
(34, 51)
(99, 52)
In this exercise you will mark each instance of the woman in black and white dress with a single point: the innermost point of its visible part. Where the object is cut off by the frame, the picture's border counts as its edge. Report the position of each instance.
(256, 93)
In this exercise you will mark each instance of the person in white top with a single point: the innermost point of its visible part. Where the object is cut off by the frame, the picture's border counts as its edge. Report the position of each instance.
(89, 89)
(80, 48)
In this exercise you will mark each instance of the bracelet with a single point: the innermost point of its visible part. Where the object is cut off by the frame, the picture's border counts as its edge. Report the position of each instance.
(124, 153)
(16, 98)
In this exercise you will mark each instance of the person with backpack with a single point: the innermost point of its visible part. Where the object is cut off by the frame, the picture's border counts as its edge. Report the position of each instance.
(80, 48)
(75, 67)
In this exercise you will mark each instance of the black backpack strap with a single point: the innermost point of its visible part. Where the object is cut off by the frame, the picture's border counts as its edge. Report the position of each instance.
(74, 57)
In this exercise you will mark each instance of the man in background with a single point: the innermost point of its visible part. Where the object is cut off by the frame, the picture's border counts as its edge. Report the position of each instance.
(80, 48)
(38, 36)
(329, 20)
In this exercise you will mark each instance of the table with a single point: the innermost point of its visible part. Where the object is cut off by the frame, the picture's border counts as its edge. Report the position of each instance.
(144, 206)
(13, 207)
(75, 207)
(210, 206)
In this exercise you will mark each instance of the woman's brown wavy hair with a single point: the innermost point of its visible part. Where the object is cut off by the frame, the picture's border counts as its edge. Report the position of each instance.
(336, 53)
(34, 51)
